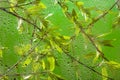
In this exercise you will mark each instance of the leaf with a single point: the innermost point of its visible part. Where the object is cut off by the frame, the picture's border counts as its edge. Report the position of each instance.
(79, 4)
(49, 78)
(35, 10)
(103, 35)
(27, 62)
(90, 55)
(96, 57)
(63, 6)
(21, 1)
(104, 72)
(74, 14)
(43, 64)
(51, 61)
(54, 45)
(58, 48)
(1, 53)
(77, 30)
(26, 77)
(107, 42)
(66, 37)
(114, 64)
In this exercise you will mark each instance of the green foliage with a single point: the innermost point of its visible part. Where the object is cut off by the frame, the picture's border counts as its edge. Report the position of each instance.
(58, 40)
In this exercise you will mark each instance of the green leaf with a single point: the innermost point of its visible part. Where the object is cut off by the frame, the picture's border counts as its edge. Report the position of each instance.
(114, 64)
(104, 72)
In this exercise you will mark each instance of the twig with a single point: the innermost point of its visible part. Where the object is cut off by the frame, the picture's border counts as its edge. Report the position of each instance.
(21, 59)
(101, 16)
(18, 5)
(23, 74)
(90, 68)
(3, 9)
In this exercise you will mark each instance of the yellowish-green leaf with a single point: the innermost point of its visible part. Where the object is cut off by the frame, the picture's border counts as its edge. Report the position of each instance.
(34, 10)
(74, 15)
(52, 63)
(36, 66)
(58, 48)
(27, 62)
(79, 4)
(1, 52)
(43, 64)
(77, 30)
(22, 50)
(19, 50)
(114, 64)
(104, 72)
(90, 55)
(96, 57)
(49, 78)
(66, 37)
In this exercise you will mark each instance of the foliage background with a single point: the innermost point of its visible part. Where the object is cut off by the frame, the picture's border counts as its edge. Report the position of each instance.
(60, 66)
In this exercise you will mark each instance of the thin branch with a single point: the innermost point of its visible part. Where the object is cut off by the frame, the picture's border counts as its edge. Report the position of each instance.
(101, 16)
(20, 5)
(24, 74)
(92, 41)
(90, 68)
(20, 60)
(3, 9)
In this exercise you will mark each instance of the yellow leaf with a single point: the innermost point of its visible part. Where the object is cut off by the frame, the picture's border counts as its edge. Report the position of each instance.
(79, 4)
(104, 72)
(26, 62)
(66, 37)
(51, 62)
